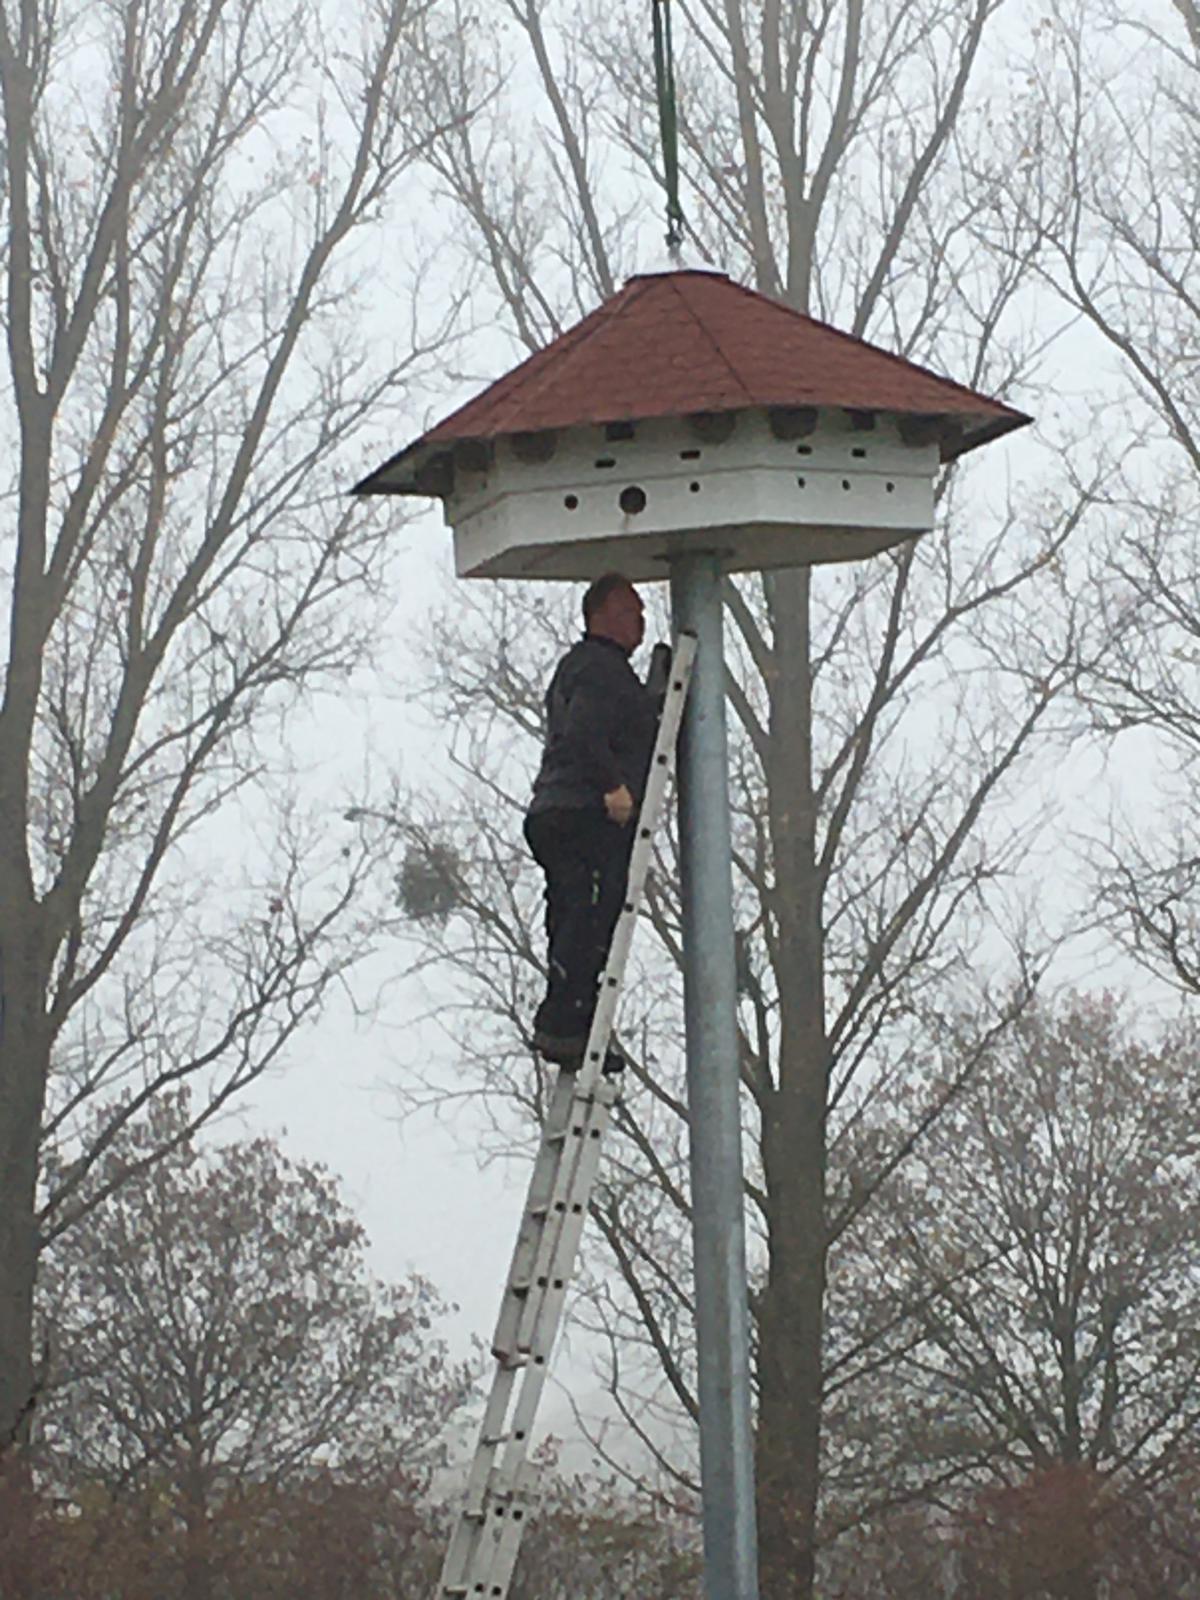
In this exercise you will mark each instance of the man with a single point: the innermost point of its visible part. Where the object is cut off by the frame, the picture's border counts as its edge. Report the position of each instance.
(600, 729)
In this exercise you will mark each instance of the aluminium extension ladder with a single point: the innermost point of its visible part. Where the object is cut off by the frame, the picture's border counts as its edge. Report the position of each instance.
(502, 1486)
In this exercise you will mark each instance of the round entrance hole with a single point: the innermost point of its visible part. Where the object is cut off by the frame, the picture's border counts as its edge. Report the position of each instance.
(632, 500)
(572, 502)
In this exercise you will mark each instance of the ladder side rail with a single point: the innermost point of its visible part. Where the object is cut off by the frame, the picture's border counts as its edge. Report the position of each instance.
(562, 1262)
(662, 766)
(502, 1485)
(540, 1313)
(533, 1217)
(461, 1553)
(494, 1556)
(492, 1476)
(462, 1557)
(486, 1548)
(485, 1488)
(492, 1434)
(508, 1546)
(547, 1323)
(586, 1079)
(568, 1205)
(471, 1521)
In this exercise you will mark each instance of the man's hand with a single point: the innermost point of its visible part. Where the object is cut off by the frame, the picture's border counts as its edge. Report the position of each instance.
(619, 805)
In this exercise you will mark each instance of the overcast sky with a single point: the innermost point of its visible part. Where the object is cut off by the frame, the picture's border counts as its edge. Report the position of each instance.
(427, 1202)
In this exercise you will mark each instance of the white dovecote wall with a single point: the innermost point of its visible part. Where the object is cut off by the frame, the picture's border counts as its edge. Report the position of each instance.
(768, 488)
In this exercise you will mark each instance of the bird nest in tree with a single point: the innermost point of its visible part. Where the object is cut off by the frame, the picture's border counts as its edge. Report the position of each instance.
(428, 883)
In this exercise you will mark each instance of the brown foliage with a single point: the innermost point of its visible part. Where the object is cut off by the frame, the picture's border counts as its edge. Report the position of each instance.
(234, 1405)
(181, 365)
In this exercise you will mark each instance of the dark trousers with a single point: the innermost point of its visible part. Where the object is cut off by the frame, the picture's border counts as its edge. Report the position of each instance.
(586, 861)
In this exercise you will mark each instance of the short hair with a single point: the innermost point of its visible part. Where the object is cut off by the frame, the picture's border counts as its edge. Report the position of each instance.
(600, 590)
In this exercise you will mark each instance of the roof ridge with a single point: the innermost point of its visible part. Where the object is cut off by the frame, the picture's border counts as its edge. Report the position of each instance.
(860, 342)
(516, 380)
(570, 343)
(710, 336)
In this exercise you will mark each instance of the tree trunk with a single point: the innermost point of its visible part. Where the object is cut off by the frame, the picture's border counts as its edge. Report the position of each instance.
(1082, 1584)
(197, 1561)
(16, 1526)
(24, 1064)
(791, 1313)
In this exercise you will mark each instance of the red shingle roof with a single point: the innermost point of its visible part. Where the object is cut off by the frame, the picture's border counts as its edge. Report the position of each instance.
(673, 343)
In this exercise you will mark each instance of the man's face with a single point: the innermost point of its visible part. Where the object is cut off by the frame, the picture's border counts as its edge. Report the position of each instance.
(623, 618)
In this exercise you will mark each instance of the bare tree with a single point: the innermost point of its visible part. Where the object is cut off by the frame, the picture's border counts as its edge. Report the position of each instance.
(883, 715)
(594, 1539)
(217, 1343)
(1042, 1538)
(182, 187)
(1060, 1536)
(1117, 131)
(1051, 1220)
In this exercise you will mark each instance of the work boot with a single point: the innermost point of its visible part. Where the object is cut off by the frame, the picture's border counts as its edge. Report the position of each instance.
(563, 1049)
(560, 1031)
(614, 1062)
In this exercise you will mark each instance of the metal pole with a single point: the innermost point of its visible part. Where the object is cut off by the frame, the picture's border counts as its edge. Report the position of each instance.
(710, 1003)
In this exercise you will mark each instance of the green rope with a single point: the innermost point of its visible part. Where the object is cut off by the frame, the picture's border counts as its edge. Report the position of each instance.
(668, 120)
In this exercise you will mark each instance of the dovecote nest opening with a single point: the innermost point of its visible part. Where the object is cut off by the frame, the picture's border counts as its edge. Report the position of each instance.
(686, 414)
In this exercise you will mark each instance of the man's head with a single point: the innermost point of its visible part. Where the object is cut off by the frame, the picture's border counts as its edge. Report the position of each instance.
(613, 609)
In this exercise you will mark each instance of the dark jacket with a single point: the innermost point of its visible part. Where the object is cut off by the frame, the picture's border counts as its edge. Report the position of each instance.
(600, 727)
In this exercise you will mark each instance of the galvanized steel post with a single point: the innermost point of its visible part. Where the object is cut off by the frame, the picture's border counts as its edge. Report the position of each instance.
(710, 1003)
